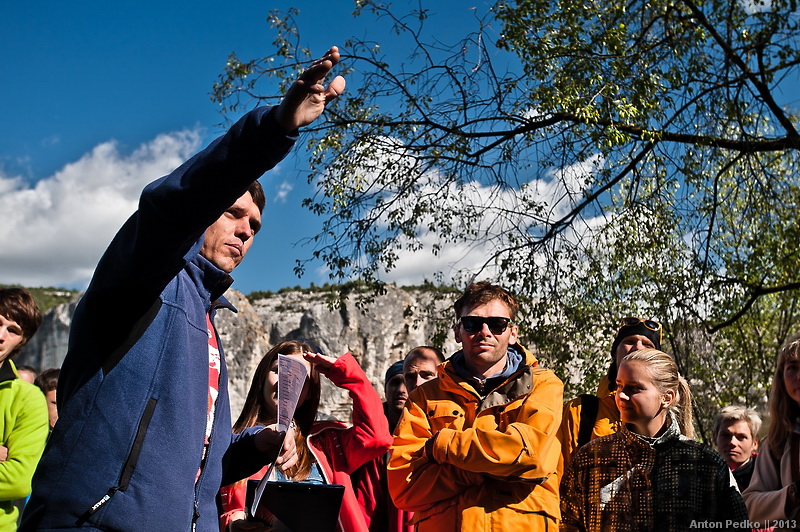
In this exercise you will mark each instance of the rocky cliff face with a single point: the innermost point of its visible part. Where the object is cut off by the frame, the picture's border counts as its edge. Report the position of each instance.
(378, 334)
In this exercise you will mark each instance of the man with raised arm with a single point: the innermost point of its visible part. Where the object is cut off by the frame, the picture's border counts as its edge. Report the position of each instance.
(143, 440)
(476, 447)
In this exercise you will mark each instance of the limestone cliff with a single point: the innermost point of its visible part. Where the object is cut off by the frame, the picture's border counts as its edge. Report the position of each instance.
(378, 334)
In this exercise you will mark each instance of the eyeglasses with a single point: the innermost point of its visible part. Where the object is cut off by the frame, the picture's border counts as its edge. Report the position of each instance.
(473, 324)
(650, 324)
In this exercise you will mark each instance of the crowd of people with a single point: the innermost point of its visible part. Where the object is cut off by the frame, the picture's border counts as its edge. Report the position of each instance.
(134, 432)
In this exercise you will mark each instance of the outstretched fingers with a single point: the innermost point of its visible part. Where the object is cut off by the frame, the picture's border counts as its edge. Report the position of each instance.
(306, 98)
(314, 75)
(335, 88)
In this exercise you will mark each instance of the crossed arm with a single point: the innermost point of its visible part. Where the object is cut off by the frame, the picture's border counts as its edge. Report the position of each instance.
(430, 463)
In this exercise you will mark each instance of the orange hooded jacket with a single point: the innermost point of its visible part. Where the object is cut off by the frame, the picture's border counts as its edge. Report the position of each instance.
(492, 464)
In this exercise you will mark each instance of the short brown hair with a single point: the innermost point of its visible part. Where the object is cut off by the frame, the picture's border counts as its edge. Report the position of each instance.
(257, 192)
(483, 292)
(420, 352)
(48, 380)
(18, 304)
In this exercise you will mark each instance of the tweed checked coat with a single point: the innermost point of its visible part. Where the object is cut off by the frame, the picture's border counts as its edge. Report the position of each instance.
(625, 482)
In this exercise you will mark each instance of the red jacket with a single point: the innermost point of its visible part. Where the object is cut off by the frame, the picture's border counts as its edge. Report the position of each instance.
(370, 484)
(337, 448)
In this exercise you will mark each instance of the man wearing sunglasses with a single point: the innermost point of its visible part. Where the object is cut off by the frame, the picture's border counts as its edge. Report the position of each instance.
(476, 447)
(591, 416)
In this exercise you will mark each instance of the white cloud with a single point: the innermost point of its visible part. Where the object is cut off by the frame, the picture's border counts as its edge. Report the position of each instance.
(52, 140)
(283, 192)
(502, 212)
(53, 233)
(752, 7)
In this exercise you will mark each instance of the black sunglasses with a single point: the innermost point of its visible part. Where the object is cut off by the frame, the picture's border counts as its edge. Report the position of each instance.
(473, 324)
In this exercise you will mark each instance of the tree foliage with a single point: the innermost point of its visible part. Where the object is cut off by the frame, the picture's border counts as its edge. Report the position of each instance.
(47, 297)
(602, 158)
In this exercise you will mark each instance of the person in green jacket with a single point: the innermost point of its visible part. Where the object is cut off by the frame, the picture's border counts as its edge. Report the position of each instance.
(23, 410)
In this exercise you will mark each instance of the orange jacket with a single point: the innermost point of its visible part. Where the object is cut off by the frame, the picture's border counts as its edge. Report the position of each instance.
(607, 422)
(493, 460)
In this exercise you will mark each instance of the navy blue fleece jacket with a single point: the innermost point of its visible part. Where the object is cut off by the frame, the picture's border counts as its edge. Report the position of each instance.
(134, 385)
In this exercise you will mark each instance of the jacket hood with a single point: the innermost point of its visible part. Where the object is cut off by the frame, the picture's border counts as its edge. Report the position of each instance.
(484, 388)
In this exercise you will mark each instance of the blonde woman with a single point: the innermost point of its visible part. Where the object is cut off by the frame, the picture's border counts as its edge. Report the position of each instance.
(650, 475)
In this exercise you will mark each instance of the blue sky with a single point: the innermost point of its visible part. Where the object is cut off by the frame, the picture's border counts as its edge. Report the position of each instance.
(101, 98)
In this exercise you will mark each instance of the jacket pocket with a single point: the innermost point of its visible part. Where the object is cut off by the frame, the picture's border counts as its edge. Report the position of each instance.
(138, 442)
(445, 415)
(130, 463)
(441, 516)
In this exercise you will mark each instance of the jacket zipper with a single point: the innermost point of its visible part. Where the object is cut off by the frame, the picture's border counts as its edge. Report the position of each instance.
(130, 463)
(324, 473)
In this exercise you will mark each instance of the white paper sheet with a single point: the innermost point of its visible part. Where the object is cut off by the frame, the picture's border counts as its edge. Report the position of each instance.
(292, 375)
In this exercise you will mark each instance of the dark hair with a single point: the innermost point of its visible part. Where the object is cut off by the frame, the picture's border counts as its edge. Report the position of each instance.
(782, 409)
(392, 371)
(18, 304)
(29, 369)
(483, 292)
(257, 192)
(420, 351)
(47, 380)
(256, 410)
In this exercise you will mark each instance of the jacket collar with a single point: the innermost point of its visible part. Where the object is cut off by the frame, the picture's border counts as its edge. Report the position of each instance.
(7, 371)
(673, 433)
(501, 388)
(211, 282)
(604, 389)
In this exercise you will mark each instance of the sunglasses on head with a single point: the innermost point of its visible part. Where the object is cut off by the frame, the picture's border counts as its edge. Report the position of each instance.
(650, 324)
(473, 324)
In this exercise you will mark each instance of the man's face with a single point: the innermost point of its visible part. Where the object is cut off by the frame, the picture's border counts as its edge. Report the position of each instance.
(396, 393)
(735, 442)
(419, 368)
(228, 239)
(11, 337)
(629, 344)
(485, 351)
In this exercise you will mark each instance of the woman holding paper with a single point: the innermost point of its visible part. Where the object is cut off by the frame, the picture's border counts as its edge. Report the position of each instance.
(328, 451)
